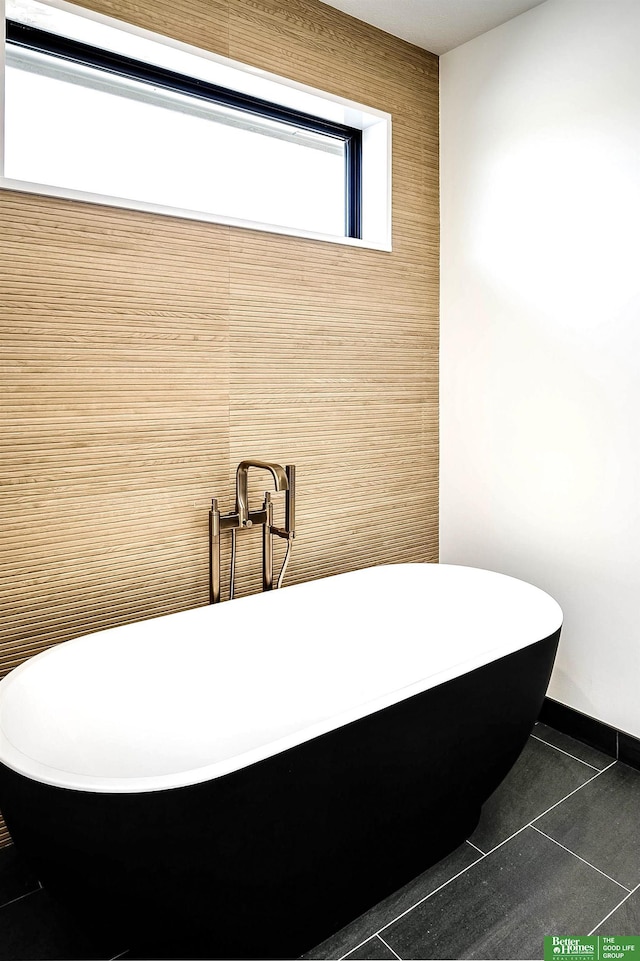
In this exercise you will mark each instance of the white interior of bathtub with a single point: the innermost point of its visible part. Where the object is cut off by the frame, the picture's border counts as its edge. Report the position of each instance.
(188, 697)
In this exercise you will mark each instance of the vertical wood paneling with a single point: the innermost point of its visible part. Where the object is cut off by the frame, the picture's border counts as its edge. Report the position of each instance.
(142, 357)
(203, 23)
(115, 370)
(352, 386)
(336, 369)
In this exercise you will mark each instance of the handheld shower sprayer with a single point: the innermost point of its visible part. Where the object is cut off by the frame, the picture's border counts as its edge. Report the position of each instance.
(243, 517)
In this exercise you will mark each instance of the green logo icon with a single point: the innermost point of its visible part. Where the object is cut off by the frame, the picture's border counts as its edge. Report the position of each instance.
(591, 948)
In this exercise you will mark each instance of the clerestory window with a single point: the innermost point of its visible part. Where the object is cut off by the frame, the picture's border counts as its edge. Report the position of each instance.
(94, 120)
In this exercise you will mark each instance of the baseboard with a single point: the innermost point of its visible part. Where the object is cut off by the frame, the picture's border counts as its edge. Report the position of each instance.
(623, 747)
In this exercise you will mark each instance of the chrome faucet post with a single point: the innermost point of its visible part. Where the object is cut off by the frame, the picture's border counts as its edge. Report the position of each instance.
(267, 545)
(243, 517)
(290, 504)
(214, 552)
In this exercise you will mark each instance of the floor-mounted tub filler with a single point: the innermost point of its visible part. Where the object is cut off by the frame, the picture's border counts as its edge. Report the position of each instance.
(246, 778)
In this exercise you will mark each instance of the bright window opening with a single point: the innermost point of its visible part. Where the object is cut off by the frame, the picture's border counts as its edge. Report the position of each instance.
(90, 120)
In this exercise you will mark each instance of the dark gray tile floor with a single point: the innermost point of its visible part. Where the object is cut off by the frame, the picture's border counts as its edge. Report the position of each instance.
(525, 889)
(624, 921)
(557, 851)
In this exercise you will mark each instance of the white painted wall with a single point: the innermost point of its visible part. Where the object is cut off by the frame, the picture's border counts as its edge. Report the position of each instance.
(540, 336)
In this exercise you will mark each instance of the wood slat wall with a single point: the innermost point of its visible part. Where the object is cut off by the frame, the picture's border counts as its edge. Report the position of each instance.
(144, 356)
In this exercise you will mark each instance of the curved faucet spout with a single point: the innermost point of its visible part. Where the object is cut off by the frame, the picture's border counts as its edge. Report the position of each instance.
(242, 499)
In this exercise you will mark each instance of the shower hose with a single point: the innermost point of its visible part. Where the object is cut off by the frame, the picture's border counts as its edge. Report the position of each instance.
(232, 579)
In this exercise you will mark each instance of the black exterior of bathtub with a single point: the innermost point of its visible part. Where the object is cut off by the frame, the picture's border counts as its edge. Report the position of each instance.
(270, 860)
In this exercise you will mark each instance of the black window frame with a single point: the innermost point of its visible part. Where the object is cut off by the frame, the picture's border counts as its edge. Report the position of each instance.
(64, 48)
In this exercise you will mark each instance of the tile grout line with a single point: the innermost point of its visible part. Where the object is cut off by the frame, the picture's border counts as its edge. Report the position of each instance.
(579, 788)
(555, 748)
(20, 898)
(588, 863)
(469, 866)
(397, 918)
(380, 938)
(475, 846)
(613, 910)
(561, 801)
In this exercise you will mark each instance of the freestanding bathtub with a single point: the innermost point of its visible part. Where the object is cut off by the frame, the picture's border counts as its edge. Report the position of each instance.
(242, 780)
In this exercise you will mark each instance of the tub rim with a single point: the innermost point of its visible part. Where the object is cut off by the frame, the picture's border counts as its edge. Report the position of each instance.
(22, 763)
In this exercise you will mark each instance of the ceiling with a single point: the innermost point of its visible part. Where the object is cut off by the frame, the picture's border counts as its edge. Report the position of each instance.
(435, 25)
